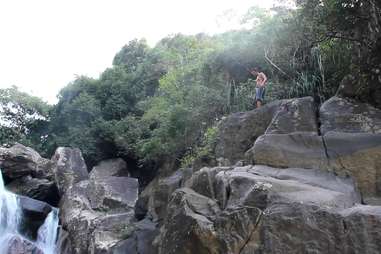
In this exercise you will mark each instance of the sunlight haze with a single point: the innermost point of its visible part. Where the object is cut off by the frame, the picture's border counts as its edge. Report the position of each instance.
(45, 43)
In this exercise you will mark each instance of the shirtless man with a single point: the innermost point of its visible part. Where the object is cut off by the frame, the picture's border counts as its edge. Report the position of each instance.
(260, 87)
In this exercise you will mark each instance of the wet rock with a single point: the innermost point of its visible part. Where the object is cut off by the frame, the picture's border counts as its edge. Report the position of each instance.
(34, 214)
(40, 189)
(18, 245)
(70, 168)
(344, 115)
(64, 245)
(112, 167)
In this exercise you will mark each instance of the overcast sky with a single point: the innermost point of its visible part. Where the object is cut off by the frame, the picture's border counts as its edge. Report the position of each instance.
(45, 43)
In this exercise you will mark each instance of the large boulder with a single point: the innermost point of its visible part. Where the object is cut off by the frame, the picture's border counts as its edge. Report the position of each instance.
(358, 155)
(34, 213)
(140, 239)
(300, 150)
(97, 213)
(300, 228)
(195, 224)
(113, 193)
(70, 168)
(354, 154)
(19, 161)
(345, 115)
(36, 188)
(259, 209)
(294, 115)
(238, 132)
(155, 197)
(18, 245)
(111, 167)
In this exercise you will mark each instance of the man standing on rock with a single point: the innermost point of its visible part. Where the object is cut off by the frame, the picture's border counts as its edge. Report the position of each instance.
(260, 87)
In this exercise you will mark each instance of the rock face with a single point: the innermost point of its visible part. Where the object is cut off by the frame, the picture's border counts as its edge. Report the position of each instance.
(40, 189)
(289, 150)
(155, 197)
(19, 161)
(355, 154)
(344, 115)
(359, 155)
(140, 241)
(17, 245)
(113, 193)
(98, 213)
(70, 168)
(294, 115)
(268, 210)
(238, 132)
(34, 214)
(112, 167)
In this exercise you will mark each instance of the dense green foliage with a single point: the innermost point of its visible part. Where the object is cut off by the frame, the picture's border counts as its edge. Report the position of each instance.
(159, 104)
(23, 118)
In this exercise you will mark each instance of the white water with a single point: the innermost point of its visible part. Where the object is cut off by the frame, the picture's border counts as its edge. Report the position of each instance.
(11, 217)
(10, 214)
(47, 233)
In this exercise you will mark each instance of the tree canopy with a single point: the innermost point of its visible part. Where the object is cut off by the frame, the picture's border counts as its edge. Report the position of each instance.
(159, 105)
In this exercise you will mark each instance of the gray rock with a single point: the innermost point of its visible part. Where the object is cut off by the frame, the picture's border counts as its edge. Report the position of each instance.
(70, 168)
(238, 132)
(18, 245)
(354, 154)
(296, 150)
(203, 181)
(344, 115)
(260, 186)
(98, 213)
(109, 230)
(140, 241)
(19, 161)
(294, 115)
(155, 197)
(311, 229)
(40, 189)
(112, 167)
(64, 245)
(113, 193)
(264, 210)
(34, 214)
(358, 155)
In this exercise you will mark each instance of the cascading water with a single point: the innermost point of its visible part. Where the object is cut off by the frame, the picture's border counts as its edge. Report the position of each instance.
(47, 233)
(11, 217)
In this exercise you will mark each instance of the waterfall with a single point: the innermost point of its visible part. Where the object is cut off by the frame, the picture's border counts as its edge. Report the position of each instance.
(47, 233)
(10, 214)
(11, 217)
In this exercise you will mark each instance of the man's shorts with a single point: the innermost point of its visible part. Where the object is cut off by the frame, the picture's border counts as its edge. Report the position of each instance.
(260, 93)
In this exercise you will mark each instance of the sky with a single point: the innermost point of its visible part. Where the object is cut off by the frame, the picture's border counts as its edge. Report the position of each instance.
(44, 44)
